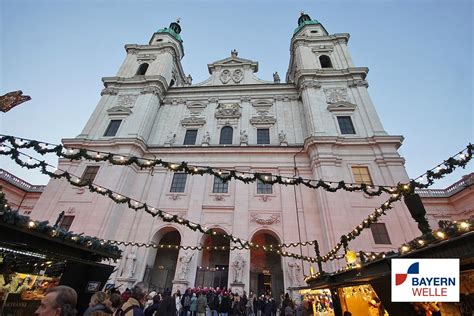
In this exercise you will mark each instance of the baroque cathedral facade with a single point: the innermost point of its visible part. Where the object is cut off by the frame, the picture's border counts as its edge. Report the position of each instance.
(317, 123)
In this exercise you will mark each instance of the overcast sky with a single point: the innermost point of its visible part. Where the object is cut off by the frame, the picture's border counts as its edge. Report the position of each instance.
(420, 56)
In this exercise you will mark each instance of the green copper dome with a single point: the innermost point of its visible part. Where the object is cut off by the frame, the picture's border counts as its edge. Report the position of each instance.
(304, 19)
(174, 29)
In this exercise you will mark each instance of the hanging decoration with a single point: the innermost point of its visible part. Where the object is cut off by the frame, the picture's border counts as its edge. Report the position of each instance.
(447, 231)
(448, 166)
(224, 174)
(136, 205)
(10, 217)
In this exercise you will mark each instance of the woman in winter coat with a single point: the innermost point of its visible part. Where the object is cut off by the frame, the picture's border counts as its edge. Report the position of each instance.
(99, 305)
(177, 299)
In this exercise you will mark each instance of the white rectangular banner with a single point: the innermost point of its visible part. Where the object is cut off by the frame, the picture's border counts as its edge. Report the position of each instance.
(425, 280)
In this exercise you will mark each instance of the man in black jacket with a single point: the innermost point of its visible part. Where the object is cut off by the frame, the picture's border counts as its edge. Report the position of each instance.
(168, 305)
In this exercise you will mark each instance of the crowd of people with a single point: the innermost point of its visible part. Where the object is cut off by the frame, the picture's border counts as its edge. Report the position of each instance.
(137, 301)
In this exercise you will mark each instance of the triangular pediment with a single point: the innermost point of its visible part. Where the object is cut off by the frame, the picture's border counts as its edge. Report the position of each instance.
(342, 106)
(119, 110)
(233, 61)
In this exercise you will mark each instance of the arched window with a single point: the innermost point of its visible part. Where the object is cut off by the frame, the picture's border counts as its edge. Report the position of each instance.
(142, 69)
(325, 61)
(226, 135)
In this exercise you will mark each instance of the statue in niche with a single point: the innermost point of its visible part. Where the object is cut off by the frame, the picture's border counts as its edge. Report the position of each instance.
(276, 77)
(184, 261)
(243, 136)
(129, 268)
(282, 137)
(238, 266)
(206, 138)
(294, 270)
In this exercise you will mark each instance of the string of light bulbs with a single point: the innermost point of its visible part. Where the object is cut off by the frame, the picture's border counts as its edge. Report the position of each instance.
(224, 174)
(135, 204)
(460, 159)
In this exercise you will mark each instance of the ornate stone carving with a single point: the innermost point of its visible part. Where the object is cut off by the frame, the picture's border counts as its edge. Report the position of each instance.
(110, 91)
(228, 111)
(225, 76)
(119, 110)
(334, 95)
(358, 83)
(245, 99)
(244, 137)
(219, 198)
(206, 138)
(146, 57)
(175, 197)
(273, 219)
(282, 137)
(151, 89)
(170, 139)
(195, 108)
(276, 77)
(132, 51)
(127, 100)
(238, 266)
(238, 75)
(193, 121)
(213, 100)
(263, 120)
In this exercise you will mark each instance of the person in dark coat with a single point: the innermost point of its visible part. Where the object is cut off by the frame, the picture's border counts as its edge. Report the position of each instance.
(268, 306)
(153, 307)
(226, 304)
(167, 306)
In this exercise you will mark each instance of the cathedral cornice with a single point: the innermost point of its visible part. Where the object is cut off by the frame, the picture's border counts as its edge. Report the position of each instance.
(355, 76)
(395, 140)
(302, 39)
(156, 85)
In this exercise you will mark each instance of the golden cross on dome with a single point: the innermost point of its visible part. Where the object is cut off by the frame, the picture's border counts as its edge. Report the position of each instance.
(178, 20)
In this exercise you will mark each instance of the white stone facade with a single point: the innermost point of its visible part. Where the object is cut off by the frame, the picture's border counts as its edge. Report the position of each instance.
(157, 108)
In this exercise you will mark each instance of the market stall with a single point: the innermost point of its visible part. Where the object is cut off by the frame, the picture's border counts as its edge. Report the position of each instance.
(35, 256)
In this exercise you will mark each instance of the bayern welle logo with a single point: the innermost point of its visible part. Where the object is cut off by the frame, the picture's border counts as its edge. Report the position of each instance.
(422, 280)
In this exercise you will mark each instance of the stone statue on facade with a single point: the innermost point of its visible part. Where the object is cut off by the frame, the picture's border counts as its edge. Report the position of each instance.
(206, 138)
(234, 53)
(276, 77)
(129, 268)
(238, 266)
(189, 80)
(282, 137)
(170, 139)
(294, 270)
(184, 261)
(243, 137)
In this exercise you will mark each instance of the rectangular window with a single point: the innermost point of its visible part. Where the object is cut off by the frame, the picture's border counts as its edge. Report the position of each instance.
(190, 137)
(90, 173)
(179, 182)
(380, 233)
(264, 188)
(66, 222)
(112, 128)
(345, 125)
(220, 186)
(362, 175)
(263, 136)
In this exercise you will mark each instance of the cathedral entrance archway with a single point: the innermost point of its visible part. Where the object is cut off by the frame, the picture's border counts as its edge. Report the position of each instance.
(213, 267)
(160, 273)
(266, 273)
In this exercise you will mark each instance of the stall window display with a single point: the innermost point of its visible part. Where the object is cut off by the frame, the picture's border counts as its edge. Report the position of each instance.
(317, 302)
(361, 300)
(23, 283)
